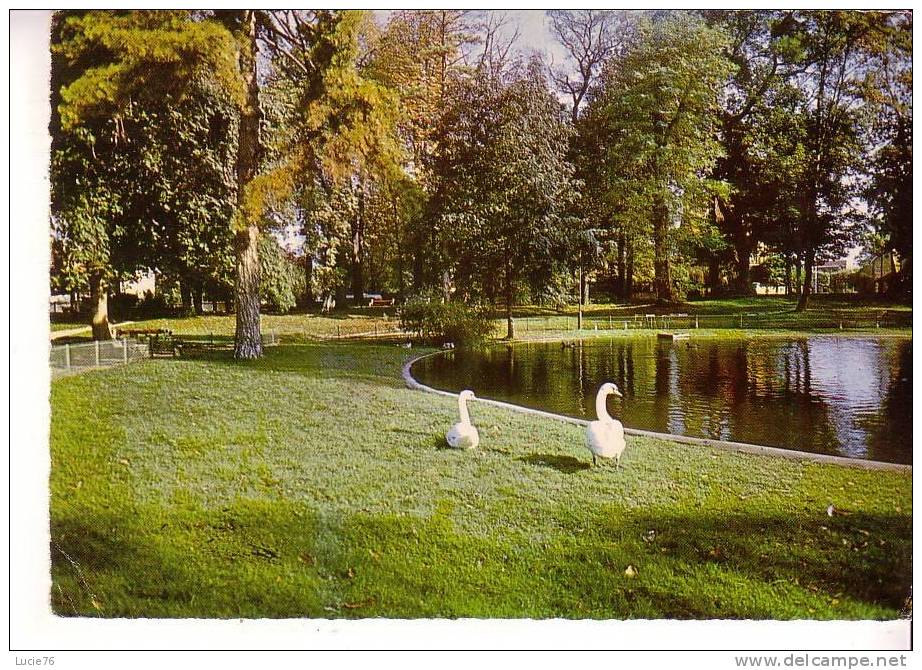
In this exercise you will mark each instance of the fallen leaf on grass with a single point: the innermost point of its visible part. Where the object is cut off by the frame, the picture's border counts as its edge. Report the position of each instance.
(630, 571)
(362, 603)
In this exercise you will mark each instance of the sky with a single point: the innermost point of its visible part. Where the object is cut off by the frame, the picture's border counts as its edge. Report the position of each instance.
(534, 33)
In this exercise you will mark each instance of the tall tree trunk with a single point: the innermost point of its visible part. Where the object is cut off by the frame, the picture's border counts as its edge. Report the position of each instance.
(787, 274)
(358, 250)
(100, 302)
(247, 340)
(713, 282)
(629, 272)
(197, 291)
(743, 248)
(398, 250)
(340, 295)
(579, 302)
(185, 296)
(809, 258)
(729, 218)
(621, 286)
(662, 281)
(417, 265)
(510, 324)
(308, 279)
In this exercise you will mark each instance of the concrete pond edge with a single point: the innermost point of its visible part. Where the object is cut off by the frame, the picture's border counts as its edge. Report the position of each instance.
(725, 445)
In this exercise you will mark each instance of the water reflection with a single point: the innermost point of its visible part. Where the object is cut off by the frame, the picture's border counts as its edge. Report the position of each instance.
(836, 395)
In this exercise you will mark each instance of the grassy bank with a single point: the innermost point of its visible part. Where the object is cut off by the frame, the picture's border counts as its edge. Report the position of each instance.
(759, 315)
(312, 484)
(560, 334)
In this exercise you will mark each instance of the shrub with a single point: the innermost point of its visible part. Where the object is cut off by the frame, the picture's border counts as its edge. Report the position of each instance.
(122, 306)
(153, 306)
(282, 276)
(439, 322)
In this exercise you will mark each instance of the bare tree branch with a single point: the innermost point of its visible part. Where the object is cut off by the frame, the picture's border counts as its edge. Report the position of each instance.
(590, 37)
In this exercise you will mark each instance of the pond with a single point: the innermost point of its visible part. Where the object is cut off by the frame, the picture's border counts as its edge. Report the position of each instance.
(846, 396)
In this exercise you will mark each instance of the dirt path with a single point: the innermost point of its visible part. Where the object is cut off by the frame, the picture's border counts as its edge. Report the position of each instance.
(77, 331)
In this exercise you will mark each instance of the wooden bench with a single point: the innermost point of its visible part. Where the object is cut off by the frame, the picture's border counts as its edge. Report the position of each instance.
(163, 344)
(381, 302)
(142, 333)
(194, 347)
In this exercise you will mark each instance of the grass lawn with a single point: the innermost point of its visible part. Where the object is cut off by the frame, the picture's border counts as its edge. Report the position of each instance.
(767, 313)
(313, 484)
(296, 326)
(56, 327)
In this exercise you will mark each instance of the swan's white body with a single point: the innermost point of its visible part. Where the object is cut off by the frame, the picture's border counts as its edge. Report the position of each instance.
(605, 437)
(463, 435)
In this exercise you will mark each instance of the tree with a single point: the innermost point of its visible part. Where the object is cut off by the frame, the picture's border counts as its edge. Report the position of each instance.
(590, 37)
(755, 49)
(343, 123)
(420, 55)
(100, 170)
(888, 90)
(117, 57)
(658, 105)
(127, 53)
(831, 47)
(281, 275)
(503, 186)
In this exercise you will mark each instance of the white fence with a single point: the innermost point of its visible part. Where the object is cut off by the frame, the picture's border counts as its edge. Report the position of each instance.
(66, 358)
(76, 357)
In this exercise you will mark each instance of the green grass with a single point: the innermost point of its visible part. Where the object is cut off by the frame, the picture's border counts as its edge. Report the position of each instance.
(870, 304)
(731, 305)
(313, 484)
(759, 313)
(762, 315)
(291, 327)
(56, 327)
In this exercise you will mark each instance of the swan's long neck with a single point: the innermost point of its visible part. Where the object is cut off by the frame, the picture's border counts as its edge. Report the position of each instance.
(462, 408)
(600, 408)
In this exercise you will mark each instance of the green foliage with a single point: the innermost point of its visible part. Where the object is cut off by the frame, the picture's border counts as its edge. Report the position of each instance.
(888, 91)
(124, 54)
(405, 165)
(153, 306)
(437, 322)
(654, 122)
(150, 186)
(282, 277)
(501, 208)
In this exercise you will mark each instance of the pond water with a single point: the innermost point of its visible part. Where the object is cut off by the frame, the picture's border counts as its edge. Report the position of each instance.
(847, 396)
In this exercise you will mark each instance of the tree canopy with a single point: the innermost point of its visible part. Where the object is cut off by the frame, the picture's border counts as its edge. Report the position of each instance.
(284, 156)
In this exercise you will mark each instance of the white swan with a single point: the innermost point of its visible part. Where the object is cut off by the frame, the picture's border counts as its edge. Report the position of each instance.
(605, 437)
(463, 435)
